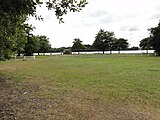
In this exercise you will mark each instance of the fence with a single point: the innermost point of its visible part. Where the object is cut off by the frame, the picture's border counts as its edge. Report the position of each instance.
(106, 52)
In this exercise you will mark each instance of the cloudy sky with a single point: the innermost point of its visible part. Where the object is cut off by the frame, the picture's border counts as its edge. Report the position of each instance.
(129, 19)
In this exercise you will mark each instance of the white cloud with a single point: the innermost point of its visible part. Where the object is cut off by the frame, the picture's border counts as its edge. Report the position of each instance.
(129, 19)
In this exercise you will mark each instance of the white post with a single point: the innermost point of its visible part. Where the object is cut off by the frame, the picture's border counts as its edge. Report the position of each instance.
(24, 58)
(34, 57)
(51, 56)
(141, 51)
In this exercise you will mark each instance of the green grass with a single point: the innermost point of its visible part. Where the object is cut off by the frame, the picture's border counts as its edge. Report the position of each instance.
(96, 79)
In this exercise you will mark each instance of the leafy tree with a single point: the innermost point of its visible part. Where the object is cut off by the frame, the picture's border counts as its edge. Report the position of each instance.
(32, 42)
(20, 39)
(77, 44)
(121, 44)
(111, 41)
(155, 38)
(11, 23)
(104, 40)
(14, 13)
(17, 8)
(10, 30)
(146, 44)
(99, 42)
(32, 45)
(44, 44)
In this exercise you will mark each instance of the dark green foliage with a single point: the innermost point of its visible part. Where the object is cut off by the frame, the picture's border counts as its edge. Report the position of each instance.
(13, 14)
(153, 41)
(121, 44)
(31, 46)
(44, 44)
(31, 42)
(11, 32)
(77, 44)
(146, 44)
(5, 47)
(37, 44)
(62, 7)
(155, 38)
(16, 8)
(104, 40)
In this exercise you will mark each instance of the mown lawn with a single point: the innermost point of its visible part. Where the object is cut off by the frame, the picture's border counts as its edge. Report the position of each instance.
(91, 87)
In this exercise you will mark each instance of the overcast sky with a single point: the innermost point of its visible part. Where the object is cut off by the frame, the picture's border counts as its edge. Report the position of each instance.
(129, 19)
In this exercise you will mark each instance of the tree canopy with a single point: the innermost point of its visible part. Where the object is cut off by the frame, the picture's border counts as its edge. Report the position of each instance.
(19, 8)
(155, 38)
(153, 41)
(121, 44)
(104, 40)
(77, 44)
(14, 13)
(44, 44)
(146, 44)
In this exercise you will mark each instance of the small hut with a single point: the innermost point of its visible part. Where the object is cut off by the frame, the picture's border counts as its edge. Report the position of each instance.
(67, 51)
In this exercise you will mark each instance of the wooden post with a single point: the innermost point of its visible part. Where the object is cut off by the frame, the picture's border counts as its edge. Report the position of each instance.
(51, 56)
(24, 58)
(34, 57)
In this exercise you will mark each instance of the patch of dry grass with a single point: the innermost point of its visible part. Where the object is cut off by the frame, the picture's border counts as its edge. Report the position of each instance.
(91, 88)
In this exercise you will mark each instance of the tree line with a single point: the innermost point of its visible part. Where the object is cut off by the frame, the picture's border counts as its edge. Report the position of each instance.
(104, 40)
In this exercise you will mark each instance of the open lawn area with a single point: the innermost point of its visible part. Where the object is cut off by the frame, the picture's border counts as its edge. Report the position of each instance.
(81, 87)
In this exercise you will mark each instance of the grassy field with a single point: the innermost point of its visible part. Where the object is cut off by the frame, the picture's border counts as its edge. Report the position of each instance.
(91, 87)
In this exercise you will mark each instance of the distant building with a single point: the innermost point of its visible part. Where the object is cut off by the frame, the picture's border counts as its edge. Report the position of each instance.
(67, 51)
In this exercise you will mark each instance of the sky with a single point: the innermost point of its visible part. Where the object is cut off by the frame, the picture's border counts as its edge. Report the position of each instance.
(129, 19)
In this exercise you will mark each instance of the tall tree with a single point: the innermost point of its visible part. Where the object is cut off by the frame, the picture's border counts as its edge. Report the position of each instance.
(44, 44)
(14, 13)
(20, 39)
(77, 44)
(155, 38)
(121, 44)
(100, 39)
(146, 44)
(32, 42)
(110, 41)
(104, 40)
(10, 30)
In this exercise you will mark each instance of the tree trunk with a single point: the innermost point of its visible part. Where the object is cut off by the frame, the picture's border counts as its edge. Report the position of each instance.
(119, 51)
(19, 53)
(147, 50)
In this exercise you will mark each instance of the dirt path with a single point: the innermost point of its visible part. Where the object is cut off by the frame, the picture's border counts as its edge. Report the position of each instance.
(6, 111)
(19, 102)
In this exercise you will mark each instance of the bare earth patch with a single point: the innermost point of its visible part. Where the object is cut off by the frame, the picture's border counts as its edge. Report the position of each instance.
(21, 102)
